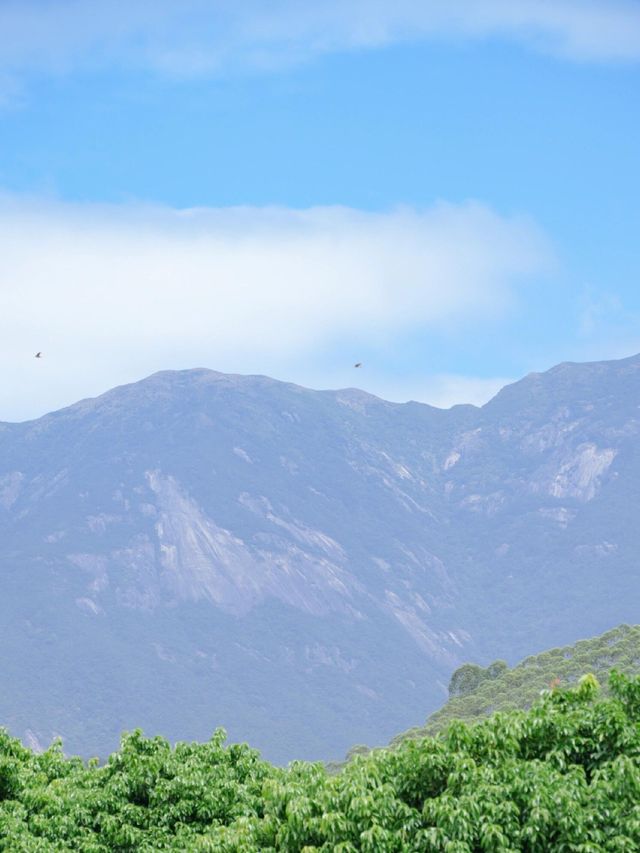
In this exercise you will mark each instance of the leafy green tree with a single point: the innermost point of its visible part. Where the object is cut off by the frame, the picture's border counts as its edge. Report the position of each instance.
(562, 776)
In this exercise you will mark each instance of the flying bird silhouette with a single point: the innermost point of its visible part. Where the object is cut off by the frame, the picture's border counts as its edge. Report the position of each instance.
(358, 364)
(38, 355)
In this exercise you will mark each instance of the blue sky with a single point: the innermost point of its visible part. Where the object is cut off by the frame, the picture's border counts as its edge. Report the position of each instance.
(451, 197)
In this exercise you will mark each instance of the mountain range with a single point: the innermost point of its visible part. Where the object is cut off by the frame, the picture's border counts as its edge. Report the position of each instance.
(305, 568)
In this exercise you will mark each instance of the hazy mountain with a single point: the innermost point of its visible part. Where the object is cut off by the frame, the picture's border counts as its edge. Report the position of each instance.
(305, 568)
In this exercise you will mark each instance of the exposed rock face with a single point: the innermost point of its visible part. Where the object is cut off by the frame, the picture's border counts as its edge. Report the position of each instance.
(305, 568)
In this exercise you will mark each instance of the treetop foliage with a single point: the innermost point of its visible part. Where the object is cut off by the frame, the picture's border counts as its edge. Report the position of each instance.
(564, 775)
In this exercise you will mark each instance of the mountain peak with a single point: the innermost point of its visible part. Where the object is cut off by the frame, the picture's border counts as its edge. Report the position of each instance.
(566, 383)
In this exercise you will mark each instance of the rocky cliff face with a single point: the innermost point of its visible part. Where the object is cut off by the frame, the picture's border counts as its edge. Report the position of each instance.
(305, 568)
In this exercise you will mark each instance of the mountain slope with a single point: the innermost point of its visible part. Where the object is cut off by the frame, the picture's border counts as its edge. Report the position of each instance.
(306, 568)
(476, 692)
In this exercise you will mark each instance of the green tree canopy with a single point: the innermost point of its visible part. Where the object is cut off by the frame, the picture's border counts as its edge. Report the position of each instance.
(563, 776)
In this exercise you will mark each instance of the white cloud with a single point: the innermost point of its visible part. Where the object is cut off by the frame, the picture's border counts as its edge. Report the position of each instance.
(600, 311)
(577, 29)
(113, 293)
(204, 37)
(606, 327)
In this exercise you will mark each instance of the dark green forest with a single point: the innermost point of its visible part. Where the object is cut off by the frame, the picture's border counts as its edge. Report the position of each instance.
(564, 775)
(476, 691)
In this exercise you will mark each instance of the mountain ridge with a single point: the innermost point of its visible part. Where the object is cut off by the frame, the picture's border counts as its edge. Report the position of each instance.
(476, 693)
(212, 375)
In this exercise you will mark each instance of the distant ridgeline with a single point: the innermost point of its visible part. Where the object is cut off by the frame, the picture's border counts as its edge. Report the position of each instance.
(476, 691)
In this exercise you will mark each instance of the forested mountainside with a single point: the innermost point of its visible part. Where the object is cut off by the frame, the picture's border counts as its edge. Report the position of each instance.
(306, 568)
(476, 692)
(563, 776)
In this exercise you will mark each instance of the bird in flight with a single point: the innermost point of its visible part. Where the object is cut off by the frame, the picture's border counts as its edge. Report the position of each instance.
(358, 364)
(38, 355)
